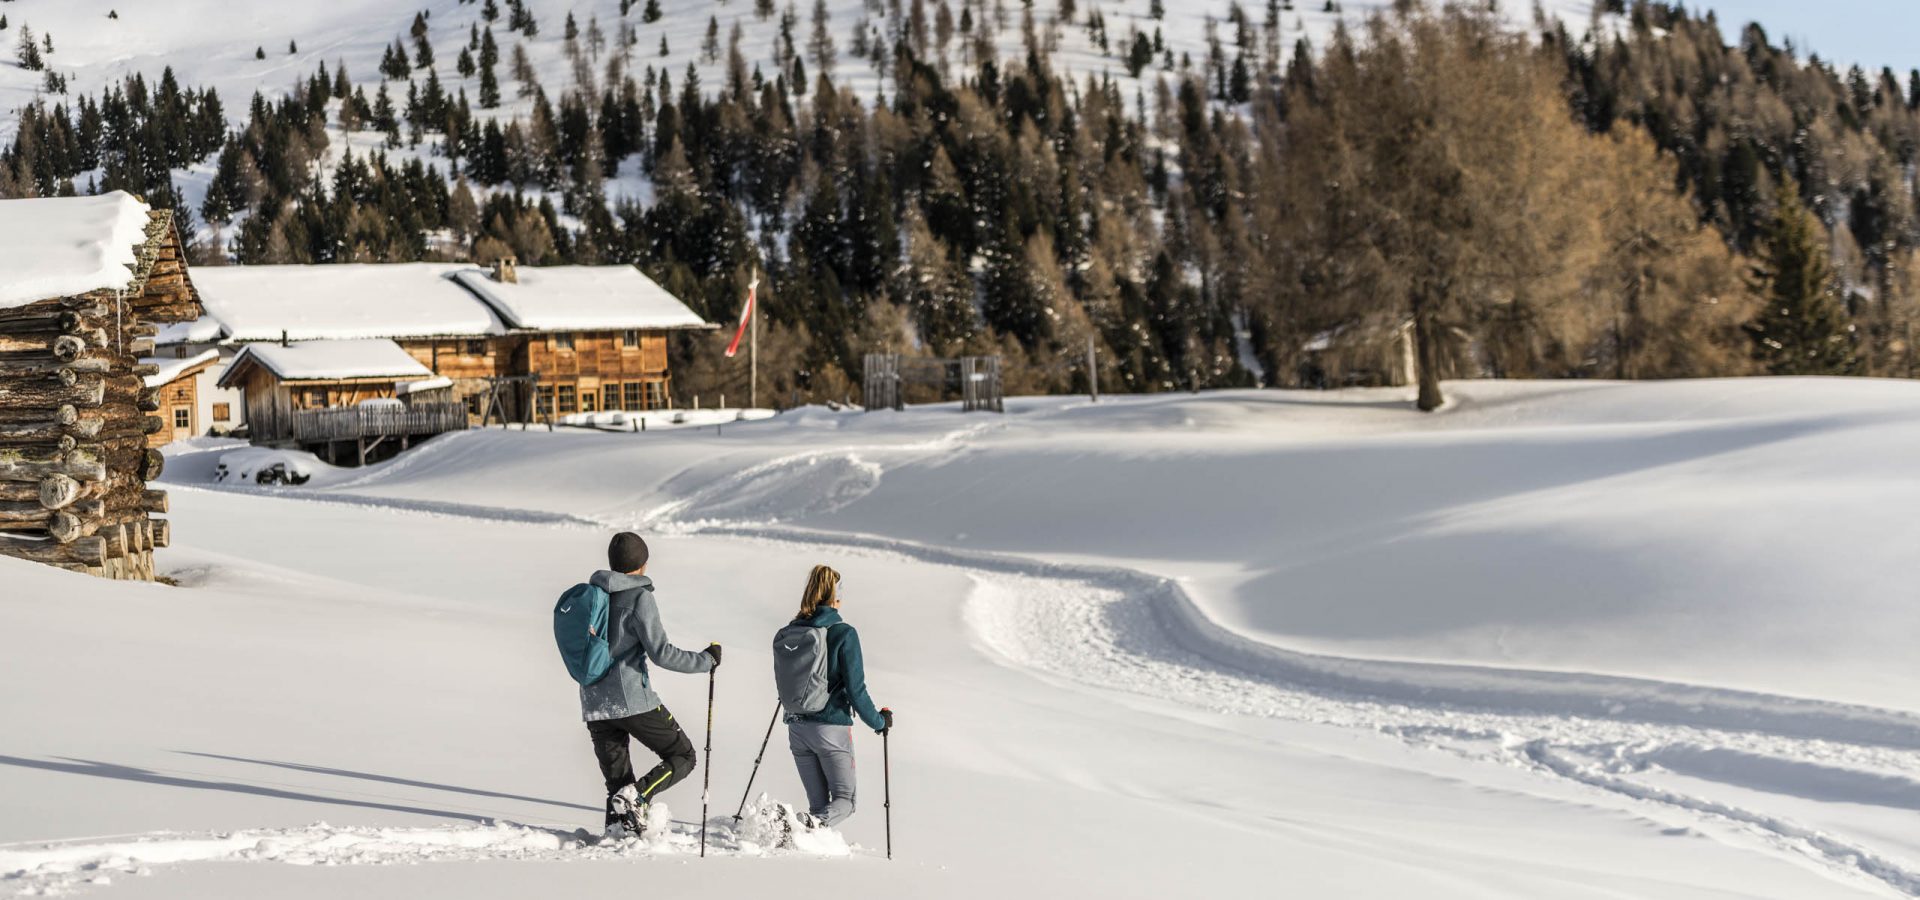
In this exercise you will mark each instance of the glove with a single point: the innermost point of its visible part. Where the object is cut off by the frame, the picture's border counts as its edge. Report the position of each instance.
(713, 650)
(886, 715)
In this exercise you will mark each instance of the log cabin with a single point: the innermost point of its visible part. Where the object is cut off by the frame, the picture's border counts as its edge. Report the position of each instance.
(516, 343)
(85, 284)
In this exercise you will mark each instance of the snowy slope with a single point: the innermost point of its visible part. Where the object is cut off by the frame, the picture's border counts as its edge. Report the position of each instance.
(212, 44)
(1123, 661)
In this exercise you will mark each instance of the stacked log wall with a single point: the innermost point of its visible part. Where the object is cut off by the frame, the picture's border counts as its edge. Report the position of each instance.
(76, 416)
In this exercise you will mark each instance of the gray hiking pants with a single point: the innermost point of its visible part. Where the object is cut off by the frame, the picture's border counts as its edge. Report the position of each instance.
(824, 755)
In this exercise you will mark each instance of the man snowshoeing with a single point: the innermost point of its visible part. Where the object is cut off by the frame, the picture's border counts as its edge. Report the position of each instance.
(622, 705)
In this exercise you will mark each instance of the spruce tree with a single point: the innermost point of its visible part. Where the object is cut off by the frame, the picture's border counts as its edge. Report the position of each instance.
(30, 51)
(1801, 330)
(464, 63)
(652, 14)
(489, 88)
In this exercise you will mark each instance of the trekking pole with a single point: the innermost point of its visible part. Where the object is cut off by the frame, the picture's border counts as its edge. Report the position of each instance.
(756, 764)
(886, 783)
(706, 786)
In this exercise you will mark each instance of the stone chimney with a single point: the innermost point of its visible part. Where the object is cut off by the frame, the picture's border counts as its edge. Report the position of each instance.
(503, 271)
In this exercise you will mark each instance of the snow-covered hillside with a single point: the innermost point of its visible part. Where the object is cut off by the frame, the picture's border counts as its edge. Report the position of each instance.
(1558, 640)
(212, 44)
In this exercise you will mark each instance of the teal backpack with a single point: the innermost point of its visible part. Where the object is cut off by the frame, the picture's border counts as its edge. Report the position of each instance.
(580, 628)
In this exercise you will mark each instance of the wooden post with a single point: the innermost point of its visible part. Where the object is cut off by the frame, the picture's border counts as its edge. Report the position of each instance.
(1093, 373)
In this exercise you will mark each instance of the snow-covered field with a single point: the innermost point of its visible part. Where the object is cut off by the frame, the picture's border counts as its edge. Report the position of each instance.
(1558, 640)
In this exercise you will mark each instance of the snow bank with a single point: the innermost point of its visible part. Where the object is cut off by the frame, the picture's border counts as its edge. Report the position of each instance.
(262, 465)
(60, 246)
(663, 418)
(342, 302)
(581, 298)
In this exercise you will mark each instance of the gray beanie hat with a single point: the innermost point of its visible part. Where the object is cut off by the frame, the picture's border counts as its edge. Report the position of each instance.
(627, 553)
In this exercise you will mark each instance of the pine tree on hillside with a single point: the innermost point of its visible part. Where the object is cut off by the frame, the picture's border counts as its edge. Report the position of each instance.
(259, 53)
(652, 14)
(1802, 329)
(293, 48)
(464, 63)
(489, 88)
(490, 11)
(29, 51)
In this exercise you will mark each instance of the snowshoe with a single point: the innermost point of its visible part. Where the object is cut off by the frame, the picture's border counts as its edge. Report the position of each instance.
(626, 814)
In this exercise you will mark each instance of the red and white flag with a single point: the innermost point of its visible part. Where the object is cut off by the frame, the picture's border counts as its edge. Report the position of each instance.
(746, 317)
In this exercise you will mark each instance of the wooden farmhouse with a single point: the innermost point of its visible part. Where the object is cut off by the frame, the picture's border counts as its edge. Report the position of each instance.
(513, 344)
(85, 283)
(176, 384)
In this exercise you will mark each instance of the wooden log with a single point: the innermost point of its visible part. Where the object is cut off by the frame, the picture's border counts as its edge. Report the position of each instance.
(155, 463)
(89, 551)
(116, 538)
(114, 483)
(140, 347)
(64, 347)
(65, 415)
(162, 533)
(58, 491)
(154, 502)
(40, 317)
(66, 527)
(146, 370)
(65, 371)
(17, 513)
(22, 465)
(46, 393)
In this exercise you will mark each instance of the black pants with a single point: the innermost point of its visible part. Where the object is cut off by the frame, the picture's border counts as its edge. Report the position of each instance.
(656, 730)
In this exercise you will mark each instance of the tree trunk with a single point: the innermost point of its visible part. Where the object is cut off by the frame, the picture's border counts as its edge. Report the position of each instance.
(1426, 354)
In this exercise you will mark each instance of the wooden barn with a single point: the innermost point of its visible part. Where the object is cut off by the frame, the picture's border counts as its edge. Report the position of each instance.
(85, 283)
(348, 402)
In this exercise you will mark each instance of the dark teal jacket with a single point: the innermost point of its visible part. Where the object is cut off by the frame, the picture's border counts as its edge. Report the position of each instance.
(846, 675)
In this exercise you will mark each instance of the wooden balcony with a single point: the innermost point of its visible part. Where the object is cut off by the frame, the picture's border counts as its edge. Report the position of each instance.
(420, 420)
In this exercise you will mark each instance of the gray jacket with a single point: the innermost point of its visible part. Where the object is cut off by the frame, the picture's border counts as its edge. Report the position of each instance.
(634, 635)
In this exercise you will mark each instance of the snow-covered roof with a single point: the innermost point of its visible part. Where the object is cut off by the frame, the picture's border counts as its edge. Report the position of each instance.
(198, 331)
(426, 384)
(61, 246)
(171, 368)
(581, 298)
(342, 302)
(329, 361)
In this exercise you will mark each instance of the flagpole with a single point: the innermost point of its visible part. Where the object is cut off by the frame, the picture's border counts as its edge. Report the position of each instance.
(753, 349)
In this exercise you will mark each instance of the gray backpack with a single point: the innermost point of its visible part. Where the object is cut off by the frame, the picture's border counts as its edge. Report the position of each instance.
(800, 668)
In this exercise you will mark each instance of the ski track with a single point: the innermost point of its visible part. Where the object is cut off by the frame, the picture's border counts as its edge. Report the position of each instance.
(61, 867)
(1135, 632)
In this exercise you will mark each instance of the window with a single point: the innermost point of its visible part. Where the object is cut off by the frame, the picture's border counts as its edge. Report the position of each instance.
(544, 406)
(563, 340)
(587, 398)
(611, 397)
(565, 405)
(222, 412)
(182, 418)
(630, 396)
(656, 395)
(476, 348)
(630, 339)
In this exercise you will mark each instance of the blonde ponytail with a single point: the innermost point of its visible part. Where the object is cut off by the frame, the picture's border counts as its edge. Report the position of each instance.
(823, 589)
